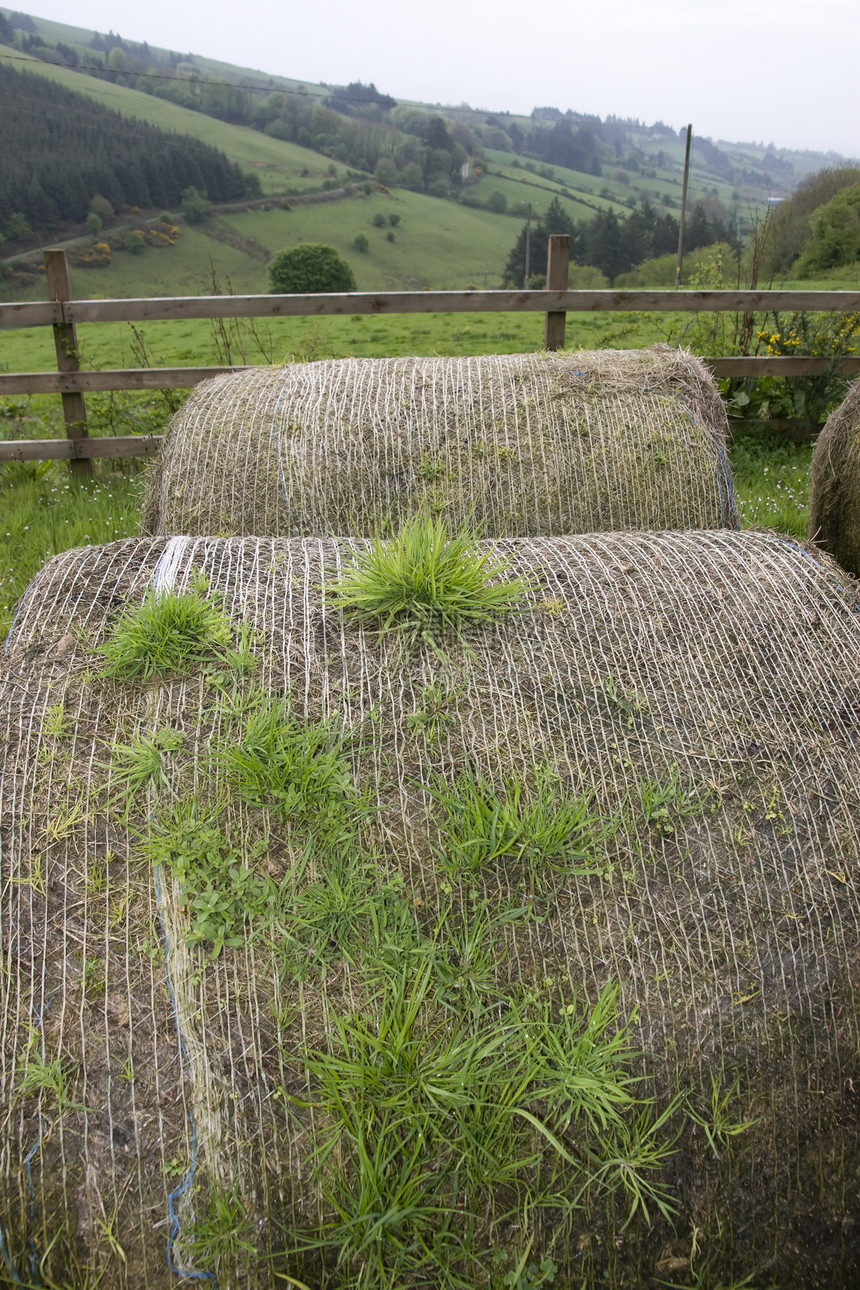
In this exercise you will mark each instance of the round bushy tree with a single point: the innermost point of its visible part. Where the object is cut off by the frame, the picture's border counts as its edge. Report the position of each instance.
(310, 267)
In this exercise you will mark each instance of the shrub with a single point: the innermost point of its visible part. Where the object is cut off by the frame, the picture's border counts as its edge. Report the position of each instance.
(195, 205)
(360, 242)
(94, 224)
(308, 268)
(18, 228)
(379, 220)
(135, 243)
(101, 206)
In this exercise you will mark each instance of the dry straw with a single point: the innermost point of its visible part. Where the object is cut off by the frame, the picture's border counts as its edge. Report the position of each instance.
(646, 779)
(834, 520)
(517, 445)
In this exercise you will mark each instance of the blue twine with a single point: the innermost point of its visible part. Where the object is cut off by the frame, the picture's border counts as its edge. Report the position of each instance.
(728, 498)
(31, 1207)
(9, 1264)
(35, 1262)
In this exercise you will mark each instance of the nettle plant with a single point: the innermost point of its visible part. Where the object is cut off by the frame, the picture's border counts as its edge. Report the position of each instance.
(427, 582)
(221, 887)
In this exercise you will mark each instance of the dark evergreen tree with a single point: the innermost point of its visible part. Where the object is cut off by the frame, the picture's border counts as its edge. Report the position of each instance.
(603, 247)
(556, 220)
(67, 148)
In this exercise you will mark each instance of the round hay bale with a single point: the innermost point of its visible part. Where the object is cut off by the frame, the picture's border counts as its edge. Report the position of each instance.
(612, 836)
(516, 445)
(834, 517)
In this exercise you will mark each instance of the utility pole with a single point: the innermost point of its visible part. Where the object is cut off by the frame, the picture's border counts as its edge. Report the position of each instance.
(528, 246)
(683, 209)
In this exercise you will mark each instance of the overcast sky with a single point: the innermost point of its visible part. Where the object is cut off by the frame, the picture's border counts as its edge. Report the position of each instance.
(737, 70)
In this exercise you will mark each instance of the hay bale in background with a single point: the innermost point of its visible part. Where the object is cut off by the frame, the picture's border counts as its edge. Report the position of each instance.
(699, 691)
(517, 445)
(834, 518)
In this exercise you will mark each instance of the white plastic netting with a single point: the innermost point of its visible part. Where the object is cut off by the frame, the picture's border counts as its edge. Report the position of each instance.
(700, 690)
(515, 445)
(834, 518)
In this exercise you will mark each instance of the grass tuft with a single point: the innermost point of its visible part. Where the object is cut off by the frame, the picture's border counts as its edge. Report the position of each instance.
(427, 581)
(169, 633)
(429, 1124)
(542, 828)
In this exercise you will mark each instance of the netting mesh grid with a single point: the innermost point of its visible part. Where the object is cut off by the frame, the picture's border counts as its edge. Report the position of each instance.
(834, 512)
(516, 445)
(712, 677)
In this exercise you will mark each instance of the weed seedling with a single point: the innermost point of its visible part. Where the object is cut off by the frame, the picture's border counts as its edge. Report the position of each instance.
(716, 1121)
(223, 1233)
(348, 909)
(56, 724)
(142, 765)
(664, 802)
(53, 1078)
(433, 717)
(425, 582)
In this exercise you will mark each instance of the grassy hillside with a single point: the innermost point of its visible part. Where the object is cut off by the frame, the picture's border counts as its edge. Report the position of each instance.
(283, 162)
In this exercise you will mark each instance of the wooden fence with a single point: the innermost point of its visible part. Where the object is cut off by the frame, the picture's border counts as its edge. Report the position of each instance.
(63, 313)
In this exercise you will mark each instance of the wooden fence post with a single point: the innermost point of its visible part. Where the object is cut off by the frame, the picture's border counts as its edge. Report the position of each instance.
(557, 263)
(66, 345)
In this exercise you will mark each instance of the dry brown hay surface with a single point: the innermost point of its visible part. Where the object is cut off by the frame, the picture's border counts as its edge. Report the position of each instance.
(834, 519)
(517, 445)
(700, 688)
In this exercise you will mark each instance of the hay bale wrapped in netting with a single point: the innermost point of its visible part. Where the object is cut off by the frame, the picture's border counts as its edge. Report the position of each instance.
(834, 518)
(332, 958)
(518, 445)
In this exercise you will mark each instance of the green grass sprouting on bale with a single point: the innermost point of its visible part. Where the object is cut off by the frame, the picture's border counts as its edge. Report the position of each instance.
(410, 901)
(169, 633)
(426, 581)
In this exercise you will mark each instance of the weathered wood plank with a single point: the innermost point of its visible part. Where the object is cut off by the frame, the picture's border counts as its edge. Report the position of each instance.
(557, 265)
(66, 346)
(775, 365)
(40, 313)
(412, 302)
(79, 449)
(47, 313)
(140, 378)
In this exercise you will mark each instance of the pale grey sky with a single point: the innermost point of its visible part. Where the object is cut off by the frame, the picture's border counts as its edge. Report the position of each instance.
(741, 71)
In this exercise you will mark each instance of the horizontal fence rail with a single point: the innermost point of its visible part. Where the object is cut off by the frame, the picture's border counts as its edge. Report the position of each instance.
(63, 314)
(66, 312)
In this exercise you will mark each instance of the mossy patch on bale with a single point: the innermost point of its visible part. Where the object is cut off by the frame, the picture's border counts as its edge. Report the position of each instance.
(536, 948)
(834, 519)
(514, 445)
